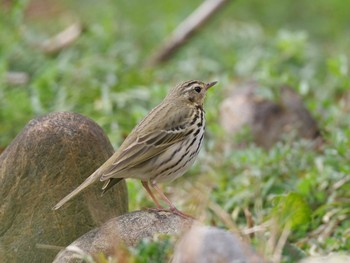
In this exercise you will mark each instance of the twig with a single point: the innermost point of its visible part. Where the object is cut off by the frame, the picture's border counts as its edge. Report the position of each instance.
(185, 30)
(341, 182)
(224, 216)
(17, 78)
(250, 220)
(257, 228)
(62, 39)
(277, 255)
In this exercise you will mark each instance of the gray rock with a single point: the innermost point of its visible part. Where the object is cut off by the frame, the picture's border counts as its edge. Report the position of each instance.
(47, 160)
(204, 244)
(127, 229)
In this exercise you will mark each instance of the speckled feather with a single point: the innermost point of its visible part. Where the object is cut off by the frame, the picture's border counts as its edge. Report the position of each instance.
(162, 146)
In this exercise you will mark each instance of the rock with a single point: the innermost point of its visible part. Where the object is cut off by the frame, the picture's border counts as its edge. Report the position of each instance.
(127, 229)
(273, 121)
(332, 258)
(238, 109)
(47, 160)
(204, 244)
(269, 121)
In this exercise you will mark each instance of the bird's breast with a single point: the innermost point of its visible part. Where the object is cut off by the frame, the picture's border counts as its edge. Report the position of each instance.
(178, 158)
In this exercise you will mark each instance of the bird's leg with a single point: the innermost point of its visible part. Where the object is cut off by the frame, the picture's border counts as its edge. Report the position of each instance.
(145, 185)
(162, 195)
(171, 205)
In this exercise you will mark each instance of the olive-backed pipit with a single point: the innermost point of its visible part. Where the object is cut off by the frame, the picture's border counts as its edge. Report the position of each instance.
(162, 147)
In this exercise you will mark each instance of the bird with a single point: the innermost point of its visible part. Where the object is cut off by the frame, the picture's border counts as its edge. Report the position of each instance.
(161, 148)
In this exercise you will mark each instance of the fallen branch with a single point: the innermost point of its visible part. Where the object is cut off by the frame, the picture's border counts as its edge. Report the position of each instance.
(185, 30)
(62, 39)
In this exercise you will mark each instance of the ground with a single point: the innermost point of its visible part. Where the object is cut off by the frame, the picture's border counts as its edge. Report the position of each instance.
(290, 193)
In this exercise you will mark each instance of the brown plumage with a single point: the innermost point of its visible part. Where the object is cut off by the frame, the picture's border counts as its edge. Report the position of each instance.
(161, 147)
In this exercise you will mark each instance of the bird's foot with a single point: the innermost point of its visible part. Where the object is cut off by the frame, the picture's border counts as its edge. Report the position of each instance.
(173, 210)
(182, 214)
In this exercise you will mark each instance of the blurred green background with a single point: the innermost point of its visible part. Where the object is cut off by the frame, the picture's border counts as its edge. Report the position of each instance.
(102, 75)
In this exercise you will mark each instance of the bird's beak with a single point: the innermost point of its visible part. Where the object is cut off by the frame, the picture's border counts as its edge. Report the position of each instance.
(210, 84)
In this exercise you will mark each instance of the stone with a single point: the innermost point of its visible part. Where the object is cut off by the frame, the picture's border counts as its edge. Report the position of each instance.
(46, 161)
(128, 229)
(268, 121)
(203, 244)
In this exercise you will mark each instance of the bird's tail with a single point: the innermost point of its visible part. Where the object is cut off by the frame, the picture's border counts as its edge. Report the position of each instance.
(91, 179)
(109, 183)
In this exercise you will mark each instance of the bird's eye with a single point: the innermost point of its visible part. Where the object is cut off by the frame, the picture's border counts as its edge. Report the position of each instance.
(198, 89)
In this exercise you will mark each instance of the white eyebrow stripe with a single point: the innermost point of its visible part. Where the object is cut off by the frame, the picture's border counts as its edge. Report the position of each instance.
(191, 85)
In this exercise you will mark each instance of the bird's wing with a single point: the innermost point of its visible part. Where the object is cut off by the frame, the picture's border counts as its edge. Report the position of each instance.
(145, 147)
(134, 151)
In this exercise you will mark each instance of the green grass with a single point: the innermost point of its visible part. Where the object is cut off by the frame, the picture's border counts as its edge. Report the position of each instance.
(102, 76)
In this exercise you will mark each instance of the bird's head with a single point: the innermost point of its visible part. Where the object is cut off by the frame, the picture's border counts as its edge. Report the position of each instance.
(193, 91)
